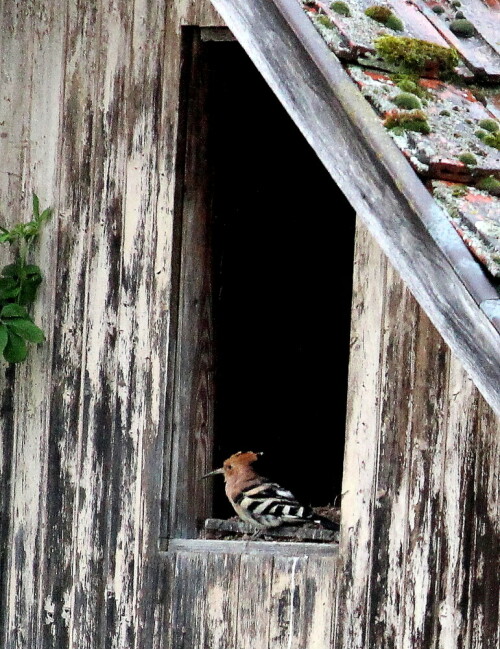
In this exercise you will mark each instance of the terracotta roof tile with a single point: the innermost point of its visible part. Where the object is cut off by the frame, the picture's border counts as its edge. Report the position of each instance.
(454, 117)
(476, 216)
(478, 49)
(454, 132)
(353, 36)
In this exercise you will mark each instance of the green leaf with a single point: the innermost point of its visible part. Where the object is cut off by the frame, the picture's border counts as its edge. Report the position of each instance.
(7, 293)
(4, 337)
(15, 350)
(26, 329)
(31, 269)
(45, 215)
(11, 270)
(28, 289)
(7, 283)
(14, 311)
(36, 206)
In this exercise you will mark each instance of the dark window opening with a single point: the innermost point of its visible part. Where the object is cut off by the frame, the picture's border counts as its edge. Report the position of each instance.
(281, 246)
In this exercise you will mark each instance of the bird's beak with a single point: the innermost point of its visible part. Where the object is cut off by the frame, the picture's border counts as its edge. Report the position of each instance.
(207, 475)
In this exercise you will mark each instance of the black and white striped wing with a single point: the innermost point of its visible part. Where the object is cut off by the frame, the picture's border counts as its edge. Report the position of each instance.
(269, 505)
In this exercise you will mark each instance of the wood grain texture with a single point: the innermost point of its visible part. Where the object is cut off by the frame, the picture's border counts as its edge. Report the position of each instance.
(362, 433)
(255, 604)
(91, 111)
(433, 526)
(250, 600)
(375, 177)
(86, 429)
(193, 337)
(32, 67)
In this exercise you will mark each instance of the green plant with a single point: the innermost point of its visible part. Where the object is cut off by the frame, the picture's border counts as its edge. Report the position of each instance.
(19, 283)
(468, 159)
(407, 85)
(341, 8)
(459, 190)
(407, 100)
(415, 120)
(489, 184)
(385, 16)
(414, 56)
(462, 28)
(489, 125)
(325, 21)
(491, 136)
(394, 23)
(380, 13)
(493, 140)
(437, 9)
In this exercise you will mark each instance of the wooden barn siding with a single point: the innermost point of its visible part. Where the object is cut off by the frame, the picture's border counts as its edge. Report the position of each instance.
(89, 109)
(251, 601)
(421, 525)
(88, 120)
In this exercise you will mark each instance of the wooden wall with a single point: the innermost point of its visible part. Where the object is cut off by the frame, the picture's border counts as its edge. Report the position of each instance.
(254, 599)
(420, 514)
(88, 119)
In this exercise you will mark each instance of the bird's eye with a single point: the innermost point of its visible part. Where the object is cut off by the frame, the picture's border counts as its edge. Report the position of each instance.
(229, 466)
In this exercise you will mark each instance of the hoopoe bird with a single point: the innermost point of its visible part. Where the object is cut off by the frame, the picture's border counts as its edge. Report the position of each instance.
(260, 502)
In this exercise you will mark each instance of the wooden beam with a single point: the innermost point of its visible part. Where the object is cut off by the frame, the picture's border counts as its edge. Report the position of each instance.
(349, 139)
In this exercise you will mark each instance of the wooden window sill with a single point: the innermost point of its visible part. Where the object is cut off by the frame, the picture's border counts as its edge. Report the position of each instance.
(235, 537)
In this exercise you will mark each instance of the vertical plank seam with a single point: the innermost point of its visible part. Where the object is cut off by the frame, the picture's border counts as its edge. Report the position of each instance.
(271, 581)
(408, 449)
(373, 503)
(237, 602)
(442, 530)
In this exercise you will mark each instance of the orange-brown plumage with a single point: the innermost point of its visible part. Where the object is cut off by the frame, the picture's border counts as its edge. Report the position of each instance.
(258, 501)
(239, 473)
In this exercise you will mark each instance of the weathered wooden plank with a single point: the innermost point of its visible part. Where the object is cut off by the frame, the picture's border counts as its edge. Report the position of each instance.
(32, 39)
(34, 379)
(92, 602)
(320, 598)
(458, 481)
(142, 342)
(377, 180)
(362, 429)
(283, 548)
(72, 206)
(159, 631)
(425, 468)
(193, 399)
(222, 596)
(6, 465)
(254, 603)
(484, 591)
(16, 44)
(288, 606)
(187, 627)
(391, 491)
